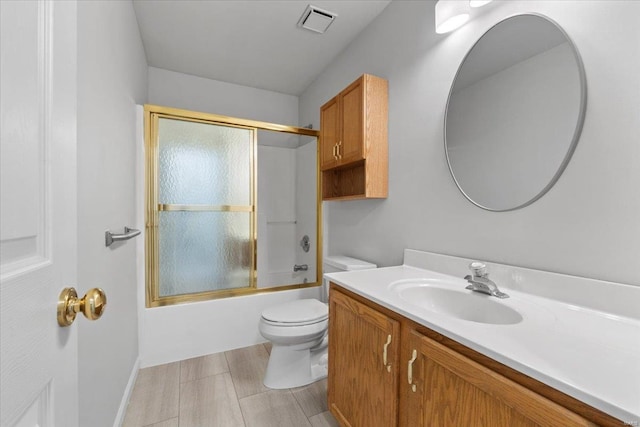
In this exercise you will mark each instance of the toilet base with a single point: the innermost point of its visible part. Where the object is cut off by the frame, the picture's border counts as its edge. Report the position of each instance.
(290, 368)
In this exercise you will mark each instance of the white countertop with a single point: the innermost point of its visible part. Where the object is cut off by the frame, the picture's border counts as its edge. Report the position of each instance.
(586, 353)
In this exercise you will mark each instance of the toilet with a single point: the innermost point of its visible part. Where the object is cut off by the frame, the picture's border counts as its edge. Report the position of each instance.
(298, 333)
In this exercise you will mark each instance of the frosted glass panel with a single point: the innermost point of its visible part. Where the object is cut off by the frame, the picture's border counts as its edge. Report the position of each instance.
(203, 164)
(204, 251)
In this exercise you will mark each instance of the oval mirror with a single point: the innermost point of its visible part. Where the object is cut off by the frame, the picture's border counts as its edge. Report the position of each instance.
(514, 113)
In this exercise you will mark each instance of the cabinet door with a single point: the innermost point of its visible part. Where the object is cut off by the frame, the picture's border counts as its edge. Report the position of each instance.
(452, 390)
(351, 146)
(329, 133)
(362, 389)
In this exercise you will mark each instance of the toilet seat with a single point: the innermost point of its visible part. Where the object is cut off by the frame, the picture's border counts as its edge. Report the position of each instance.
(296, 313)
(293, 324)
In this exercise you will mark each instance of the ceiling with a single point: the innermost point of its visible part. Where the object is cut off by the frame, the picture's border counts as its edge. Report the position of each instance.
(251, 43)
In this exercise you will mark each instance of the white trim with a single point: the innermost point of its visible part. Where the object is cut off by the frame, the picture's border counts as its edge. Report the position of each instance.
(45, 83)
(122, 410)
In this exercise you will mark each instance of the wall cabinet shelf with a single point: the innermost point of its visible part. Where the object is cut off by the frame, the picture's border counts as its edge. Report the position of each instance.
(353, 141)
(430, 379)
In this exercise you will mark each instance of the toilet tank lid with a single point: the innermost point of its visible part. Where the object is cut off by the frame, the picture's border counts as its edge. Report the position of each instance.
(347, 263)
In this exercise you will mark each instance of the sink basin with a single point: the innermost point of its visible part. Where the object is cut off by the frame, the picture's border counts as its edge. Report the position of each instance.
(459, 303)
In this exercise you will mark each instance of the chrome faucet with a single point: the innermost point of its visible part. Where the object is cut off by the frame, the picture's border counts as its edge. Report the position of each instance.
(301, 267)
(480, 282)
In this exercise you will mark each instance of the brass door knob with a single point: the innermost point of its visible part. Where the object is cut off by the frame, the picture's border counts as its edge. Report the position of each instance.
(92, 305)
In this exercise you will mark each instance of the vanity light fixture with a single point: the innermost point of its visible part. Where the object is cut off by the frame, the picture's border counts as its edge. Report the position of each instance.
(450, 15)
(478, 3)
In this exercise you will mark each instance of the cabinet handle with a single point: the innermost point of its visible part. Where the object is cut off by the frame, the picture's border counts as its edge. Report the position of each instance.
(384, 353)
(414, 356)
(339, 146)
(335, 151)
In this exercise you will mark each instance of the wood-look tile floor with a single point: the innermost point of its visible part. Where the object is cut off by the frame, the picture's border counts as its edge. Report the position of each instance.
(226, 390)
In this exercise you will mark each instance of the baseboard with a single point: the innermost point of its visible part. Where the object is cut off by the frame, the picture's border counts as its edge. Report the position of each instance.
(122, 410)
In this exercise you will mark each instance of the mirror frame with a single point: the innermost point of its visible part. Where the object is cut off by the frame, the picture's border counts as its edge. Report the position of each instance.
(579, 123)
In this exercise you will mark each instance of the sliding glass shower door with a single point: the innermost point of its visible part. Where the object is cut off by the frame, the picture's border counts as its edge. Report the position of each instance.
(205, 207)
(205, 237)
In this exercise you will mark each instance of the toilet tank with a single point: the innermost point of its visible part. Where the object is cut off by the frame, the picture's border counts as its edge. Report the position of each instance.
(335, 263)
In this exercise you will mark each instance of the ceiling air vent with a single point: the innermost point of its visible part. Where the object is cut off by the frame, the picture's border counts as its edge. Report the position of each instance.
(316, 19)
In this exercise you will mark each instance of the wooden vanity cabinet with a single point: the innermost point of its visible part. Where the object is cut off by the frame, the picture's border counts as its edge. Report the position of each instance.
(450, 384)
(353, 141)
(363, 364)
(449, 389)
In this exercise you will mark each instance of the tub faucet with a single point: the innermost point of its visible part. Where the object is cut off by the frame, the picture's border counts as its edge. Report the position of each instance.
(301, 267)
(480, 282)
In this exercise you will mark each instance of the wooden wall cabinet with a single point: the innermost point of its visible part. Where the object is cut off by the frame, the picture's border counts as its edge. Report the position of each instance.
(439, 382)
(353, 141)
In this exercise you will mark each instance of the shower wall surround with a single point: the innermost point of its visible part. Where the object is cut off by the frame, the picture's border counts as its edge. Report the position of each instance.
(276, 215)
(286, 212)
(586, 225)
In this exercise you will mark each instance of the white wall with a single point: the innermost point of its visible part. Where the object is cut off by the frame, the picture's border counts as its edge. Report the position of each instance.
(183, 331)
(112, 74)
(586, 225)
(179, 90)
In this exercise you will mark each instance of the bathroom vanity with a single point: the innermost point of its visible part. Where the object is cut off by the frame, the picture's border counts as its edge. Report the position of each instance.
(410, 346)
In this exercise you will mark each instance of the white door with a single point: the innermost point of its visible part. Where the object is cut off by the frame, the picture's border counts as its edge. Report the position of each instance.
(37, 212)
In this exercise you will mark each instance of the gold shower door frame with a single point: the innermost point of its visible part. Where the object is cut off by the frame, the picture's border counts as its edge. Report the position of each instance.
(152, 114)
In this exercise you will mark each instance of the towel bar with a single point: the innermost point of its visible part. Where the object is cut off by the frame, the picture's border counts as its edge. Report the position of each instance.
(110, 237)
